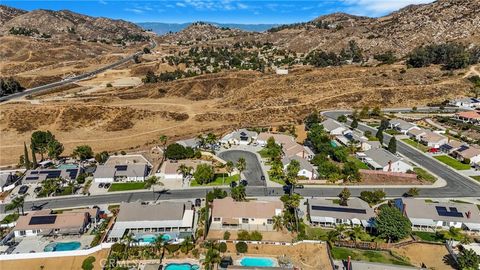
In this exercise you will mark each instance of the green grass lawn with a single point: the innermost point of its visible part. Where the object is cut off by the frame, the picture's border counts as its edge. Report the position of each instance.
(263, 153)
(476, 178)
(424, 175)
(359, 163)
(457, 165)
(126, 186)
(10, 218)
(340, 253)
(415, 144)
(316, 233)
(430, 237)
(220, 179)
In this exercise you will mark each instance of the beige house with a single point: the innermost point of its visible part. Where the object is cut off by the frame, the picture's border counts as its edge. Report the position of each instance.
(170, 168)
(228, 214)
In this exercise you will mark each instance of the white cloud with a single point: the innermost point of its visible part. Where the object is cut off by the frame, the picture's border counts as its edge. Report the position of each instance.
(380, 7)
(180, 4)
(134, 10)
(103, 2)
(213, 4)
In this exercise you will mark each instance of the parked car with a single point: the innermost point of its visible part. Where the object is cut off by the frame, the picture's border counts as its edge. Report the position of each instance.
(23, 190)
(244, 182)
(101, 185)
(262, 178)
(107, 185)
(299, 186)
(198, 202)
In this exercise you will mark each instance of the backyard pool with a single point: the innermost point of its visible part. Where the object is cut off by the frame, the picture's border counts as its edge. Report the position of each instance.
(62, 246)
(150, 238)
(257, 262)
(181, 266)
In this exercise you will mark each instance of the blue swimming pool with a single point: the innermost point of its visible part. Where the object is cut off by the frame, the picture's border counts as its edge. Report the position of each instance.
(150, 238)
(181, 266)
(62, 246)
(257, 262)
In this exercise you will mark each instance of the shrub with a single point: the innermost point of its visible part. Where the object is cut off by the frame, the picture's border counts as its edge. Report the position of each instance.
(256, 236)
(109, 85)
(199, 233)
(226, 235)
(118, 247)
(123, 153)
(243, 235)
(241, 247)
(222, 247)
(88, 263)
(172, 248)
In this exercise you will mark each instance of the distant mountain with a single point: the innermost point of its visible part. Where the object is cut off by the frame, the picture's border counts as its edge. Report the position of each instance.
(164, 28)
(65, 23)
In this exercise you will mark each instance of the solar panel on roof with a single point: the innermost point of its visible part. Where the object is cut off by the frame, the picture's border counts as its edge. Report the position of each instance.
(54, 174)
(443, 212)
(121, 167)
(39, 220)
(32, 178)
(339, 209)
(72, 173)
(33, 172)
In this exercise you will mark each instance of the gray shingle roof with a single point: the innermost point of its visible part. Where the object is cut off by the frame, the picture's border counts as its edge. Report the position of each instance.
(156, 212)
(381, 156)
(331, 124)
(353, 203)
(417, 208)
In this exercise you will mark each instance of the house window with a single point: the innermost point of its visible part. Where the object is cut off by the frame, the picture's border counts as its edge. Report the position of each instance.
(245, 220)
(269, 221)
(23, 233)
(217, 219)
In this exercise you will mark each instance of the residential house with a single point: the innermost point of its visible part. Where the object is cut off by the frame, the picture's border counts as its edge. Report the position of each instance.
(40, 175)
(298, 150)
(7, 181)
(467, 102)
(451, 146)
(192, 143)
(368, 145)
(470, 117)
(326, 213)
(307, 170)
(257, 215)
(416, 134)
(432, 139)
(441, 215)
(383, 160)
(467, 153)
(145, 222)
(44, 222)
(170, 168)
(401, 126)
(333, 127)
(280, 139)
(239, 137)
(121, 173)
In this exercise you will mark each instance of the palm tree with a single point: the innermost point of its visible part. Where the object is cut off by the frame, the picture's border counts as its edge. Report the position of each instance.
(163, 140)
(184, 170)
(340, 229)
(332, 236)
(355, 233)
(229, 167)
(128, 239)
(72, 184)
(241, 166)
(278, 223)
(238, 193)
(212, 258)
(187, 245)
(152, 181)
(201, 141)
(159, 243)
(211, 140)
(16, 203)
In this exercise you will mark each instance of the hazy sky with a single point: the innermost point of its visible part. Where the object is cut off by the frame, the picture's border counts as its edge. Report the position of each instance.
(230, 11)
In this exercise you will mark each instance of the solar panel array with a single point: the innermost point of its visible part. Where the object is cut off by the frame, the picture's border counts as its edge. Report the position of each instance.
(121, 167)
(339, 209)
(451, 212)
(72, 173)
(40, 220)
(32, 178)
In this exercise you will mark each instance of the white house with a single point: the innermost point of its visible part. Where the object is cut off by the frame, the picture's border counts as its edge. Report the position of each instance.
(326, 213)
(471, 117)
(307, 170)
(7, 181)
(442, 215)
(401, 126)
(432, 139)
(333, 127)
(280, 139)
(241, 136)
(255, 215)
(174, 220)
(368, 145)
(466, 102)
(467, 153)
(170, 168)
(383, 160)
(416, 134)
(120, 173)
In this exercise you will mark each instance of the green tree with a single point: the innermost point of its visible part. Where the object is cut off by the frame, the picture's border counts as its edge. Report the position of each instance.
(241, 166)
(40, 140)
(392, 225)
(241, 247)
(102, 157)
(229, 166)
(187, 245)
(212, 258)
(392, 145)
(17, 203)
(379, 135)
(468, 259)
(159, 244)
(83, 152)
(204, 174)
(151, 181)
(222, 247)
(87, 264)
(54, 149)
(342, 118)
(354, 123)
(226, 235)
(413, 192)
(184, 170)
(344, 196)
(292, 173)
(34, 158)
(277, 223)
(238, 193)
(26, 159)
(351, 172)
(175, 151)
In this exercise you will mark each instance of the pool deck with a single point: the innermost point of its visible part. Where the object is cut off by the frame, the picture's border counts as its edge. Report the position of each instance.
(37, 243)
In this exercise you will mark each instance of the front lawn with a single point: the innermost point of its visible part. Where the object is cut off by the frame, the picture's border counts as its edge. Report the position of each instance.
(220, 179)
(429, 237)
(424, 175)
(359, 163)
(415, 144)
(126, 186)
(340, 253)
(457, 165)
(312, 233)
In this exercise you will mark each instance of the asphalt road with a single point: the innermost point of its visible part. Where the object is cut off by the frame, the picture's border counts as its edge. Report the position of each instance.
(253, 172)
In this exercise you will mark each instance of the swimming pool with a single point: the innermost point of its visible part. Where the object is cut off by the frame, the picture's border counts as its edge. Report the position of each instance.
(67, 166)
(62, 246)
(150, 238)
(181, 266)
(257, 262)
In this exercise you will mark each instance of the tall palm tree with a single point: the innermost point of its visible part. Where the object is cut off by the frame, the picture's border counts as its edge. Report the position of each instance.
(241, 166)
(332, 236)
(159, 244)
(212, 258)
(72, 184)
(17, 203)
(238, 193)
(163, 140)
(187, 245)
(211, 140)
(128, 239)
(278, 223)
(341, 228)
(184, 170)
(229, 167)
(355, 233)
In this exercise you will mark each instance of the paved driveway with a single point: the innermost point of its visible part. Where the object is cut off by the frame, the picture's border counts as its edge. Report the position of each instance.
(253, 172)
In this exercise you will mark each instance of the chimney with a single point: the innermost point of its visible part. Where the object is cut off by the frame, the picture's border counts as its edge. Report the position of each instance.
(405, 209)
(469, 214)
(349, 266)
(389, 165)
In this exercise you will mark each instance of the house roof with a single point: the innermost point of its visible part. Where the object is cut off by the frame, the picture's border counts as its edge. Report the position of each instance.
(241, 133)
(153, 212)
(417, 208)
(193, 142)
(45, 220)
(128, 170)
(7, 179)
(416, 132)
(470, 115)
(282, 139)
(430, 136)
(402, 124)
(228, 208)
(327, 208)
(374, 144)
(469, 152)
(39, 175)
(171, 166)
(331, 124)
(295, 148)
(381, 156)
(304, 164)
